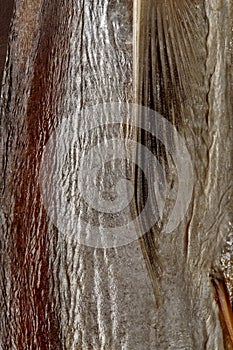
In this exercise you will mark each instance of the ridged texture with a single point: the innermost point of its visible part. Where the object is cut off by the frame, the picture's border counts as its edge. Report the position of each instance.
(154, 293)
(182, 57)
(33, 79)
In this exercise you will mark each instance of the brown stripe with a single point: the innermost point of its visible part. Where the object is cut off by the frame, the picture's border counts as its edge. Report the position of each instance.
(33, 322)
(226, 314)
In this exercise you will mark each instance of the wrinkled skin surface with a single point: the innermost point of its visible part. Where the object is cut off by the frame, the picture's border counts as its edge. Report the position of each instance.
(155, 292)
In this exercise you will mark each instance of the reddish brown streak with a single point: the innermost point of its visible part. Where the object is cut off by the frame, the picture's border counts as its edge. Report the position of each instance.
(223, 300)
(30, 291)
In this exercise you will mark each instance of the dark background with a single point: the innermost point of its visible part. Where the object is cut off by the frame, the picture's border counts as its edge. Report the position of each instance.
(6, 11)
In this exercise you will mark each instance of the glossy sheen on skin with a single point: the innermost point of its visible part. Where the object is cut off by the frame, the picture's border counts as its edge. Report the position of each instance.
(29, 319)
(182, 63)
(154, 293)
(225, 306)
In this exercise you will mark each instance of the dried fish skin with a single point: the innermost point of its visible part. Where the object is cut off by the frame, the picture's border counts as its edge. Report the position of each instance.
(67, 56)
